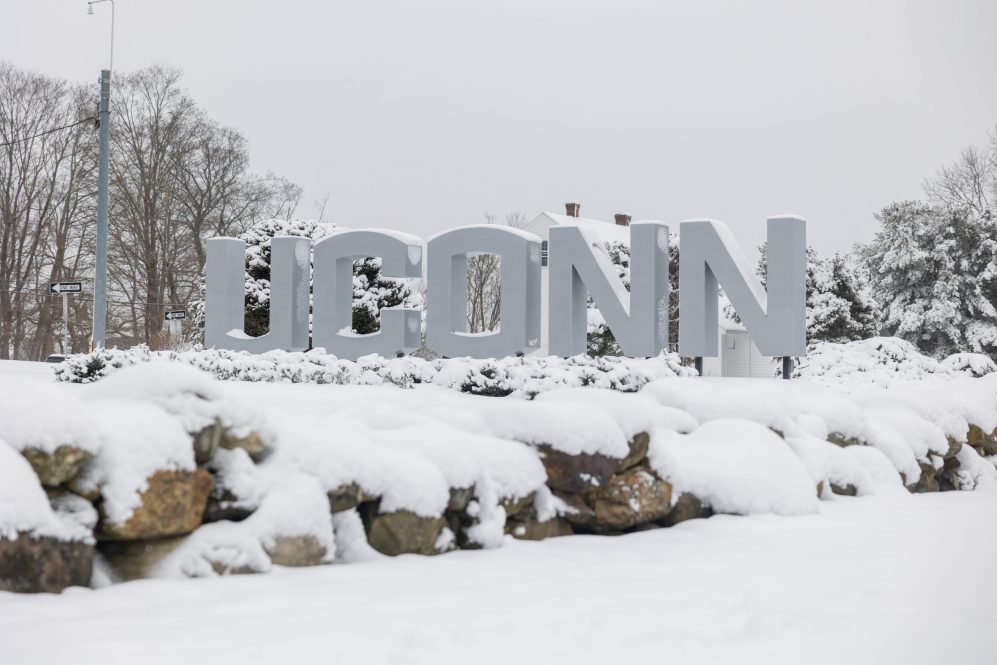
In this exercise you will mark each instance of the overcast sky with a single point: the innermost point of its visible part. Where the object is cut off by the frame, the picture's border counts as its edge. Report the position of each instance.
(425, 115)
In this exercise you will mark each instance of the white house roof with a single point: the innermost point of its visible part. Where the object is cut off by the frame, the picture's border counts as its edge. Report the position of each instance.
(606, 231)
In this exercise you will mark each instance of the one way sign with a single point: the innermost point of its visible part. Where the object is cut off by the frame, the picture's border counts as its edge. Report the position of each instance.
(176, 315)
(65, 287)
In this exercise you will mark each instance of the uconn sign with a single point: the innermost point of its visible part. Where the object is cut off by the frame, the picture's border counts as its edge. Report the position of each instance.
(578, 265)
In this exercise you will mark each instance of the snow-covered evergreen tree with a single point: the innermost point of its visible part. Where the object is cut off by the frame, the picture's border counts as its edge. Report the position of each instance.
(840, 306)
(934, 271)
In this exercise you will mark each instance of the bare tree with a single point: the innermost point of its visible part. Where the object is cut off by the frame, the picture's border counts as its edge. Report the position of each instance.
(969, 182)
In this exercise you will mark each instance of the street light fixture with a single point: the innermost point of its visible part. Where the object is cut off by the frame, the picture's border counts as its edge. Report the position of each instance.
(90, 12)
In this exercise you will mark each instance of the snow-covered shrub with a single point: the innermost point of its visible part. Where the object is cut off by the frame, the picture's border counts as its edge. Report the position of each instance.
(883, 360)
(522, 377)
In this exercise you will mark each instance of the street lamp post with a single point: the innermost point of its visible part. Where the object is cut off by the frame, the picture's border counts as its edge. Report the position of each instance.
(97, 339)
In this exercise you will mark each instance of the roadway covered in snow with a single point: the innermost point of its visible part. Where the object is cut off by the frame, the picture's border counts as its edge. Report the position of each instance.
(881, 579)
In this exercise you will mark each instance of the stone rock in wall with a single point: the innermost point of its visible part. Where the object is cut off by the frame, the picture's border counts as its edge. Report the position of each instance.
(402, 531)
(252, 443)
(129, 560)
(926, 482)
(985, 443)
(459, 498)
(303, 550)
(844, 490)
(206, 443)
(638, 451)
(223, 505)
(30, 564)
(576, 473)
(515, 506)
(534, 530)
(636, 496)
(172, 504)
(687, 507)
(57, 467)
(347, 497)
(839, 439)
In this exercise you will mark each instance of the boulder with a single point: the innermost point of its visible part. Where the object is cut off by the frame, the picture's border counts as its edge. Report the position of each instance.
(459, 498)
(630, 498)
(303, 550)
(346, 497)
(206, 443)
(638, 451)
(985, 443)
(32, 564)
(224, 505)
(519, 505)
(687, 507)
(926, 482)
(403, 532)
(845, 490)
(534, 530)
(839, 439)
(57, 467)
(576, 473)
(252, 443)
(172, 504)
(129, 560)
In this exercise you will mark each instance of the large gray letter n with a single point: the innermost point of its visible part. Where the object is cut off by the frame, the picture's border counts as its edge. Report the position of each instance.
(225, 296)
(579, 262)
(775, 320)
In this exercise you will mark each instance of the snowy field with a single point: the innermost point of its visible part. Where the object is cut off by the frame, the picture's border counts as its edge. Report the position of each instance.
(900, 579)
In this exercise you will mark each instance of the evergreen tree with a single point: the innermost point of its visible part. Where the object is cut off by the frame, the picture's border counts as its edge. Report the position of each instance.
(934, 270)
(840, 306)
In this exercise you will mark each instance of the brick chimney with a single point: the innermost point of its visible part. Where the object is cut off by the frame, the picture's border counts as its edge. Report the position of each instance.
(572, 209)
(622, 219)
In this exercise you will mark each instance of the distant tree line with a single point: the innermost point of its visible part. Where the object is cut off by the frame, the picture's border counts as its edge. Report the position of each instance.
(177, 177)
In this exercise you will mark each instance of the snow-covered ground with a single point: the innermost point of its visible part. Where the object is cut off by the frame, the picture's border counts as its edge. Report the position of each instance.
(892, 579)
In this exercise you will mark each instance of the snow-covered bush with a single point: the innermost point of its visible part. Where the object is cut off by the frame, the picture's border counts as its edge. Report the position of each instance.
(884, 360)
(522, 377)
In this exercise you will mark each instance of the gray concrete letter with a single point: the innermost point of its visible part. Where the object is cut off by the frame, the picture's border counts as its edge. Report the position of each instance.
(519, 329)
(775, 320)
(225, 296)
(401, 257)
(579, 263)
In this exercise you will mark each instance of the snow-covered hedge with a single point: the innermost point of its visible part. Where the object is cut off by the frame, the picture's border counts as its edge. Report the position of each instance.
(884, 360)
(521, 377)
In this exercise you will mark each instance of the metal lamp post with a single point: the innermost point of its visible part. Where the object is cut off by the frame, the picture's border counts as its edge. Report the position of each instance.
(104, 118)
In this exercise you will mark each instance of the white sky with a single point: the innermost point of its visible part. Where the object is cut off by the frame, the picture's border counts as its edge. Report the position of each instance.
(424, 115)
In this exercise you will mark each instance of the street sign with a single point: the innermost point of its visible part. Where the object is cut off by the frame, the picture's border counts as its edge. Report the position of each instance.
(176, 315)
(65, 287)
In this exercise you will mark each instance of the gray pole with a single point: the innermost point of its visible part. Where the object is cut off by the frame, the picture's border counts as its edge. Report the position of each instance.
(100, 272)
(66, 344)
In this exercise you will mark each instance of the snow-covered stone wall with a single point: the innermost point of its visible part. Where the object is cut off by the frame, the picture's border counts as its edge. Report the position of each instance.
(160, 469)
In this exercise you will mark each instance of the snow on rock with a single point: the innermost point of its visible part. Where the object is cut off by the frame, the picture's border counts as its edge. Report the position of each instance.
(190, 395)
(138, 438)
(570, 428)
(734, 466)
(340, 451)
(291, 527)
(41, 415)
(24, 507)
